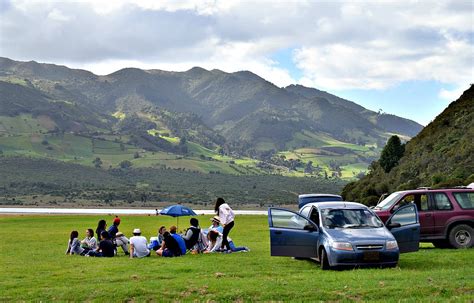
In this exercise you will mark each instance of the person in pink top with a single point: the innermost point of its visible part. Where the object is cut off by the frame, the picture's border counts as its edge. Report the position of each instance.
(226, 216)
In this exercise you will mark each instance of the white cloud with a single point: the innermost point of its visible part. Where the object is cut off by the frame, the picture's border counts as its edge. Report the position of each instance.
(57, 15)
(453, 94)
(337, 45)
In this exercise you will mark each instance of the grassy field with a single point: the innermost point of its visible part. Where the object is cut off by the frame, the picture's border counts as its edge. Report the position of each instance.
(34, 268)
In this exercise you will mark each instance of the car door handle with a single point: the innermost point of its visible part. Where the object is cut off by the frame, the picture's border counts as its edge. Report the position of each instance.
(278, 233)
(414, 228)
(427, 215)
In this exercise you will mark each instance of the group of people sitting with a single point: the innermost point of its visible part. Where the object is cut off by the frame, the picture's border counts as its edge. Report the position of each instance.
(167, 243)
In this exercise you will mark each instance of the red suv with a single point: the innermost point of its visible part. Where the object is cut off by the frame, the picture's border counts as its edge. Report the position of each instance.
(446, 215)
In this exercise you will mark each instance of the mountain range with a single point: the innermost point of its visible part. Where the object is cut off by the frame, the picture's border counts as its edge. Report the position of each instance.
(198, 115)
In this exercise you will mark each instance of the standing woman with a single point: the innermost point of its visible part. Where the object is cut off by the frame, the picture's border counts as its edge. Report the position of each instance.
(101, 226)
(226, 216)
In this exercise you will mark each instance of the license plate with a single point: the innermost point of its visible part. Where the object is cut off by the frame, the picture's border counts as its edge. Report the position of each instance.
(371, 256)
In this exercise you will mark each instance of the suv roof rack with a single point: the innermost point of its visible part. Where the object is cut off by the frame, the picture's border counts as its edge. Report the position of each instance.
(440, 188)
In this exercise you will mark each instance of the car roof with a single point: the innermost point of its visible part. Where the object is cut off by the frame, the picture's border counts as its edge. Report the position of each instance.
(318, 195)
(435, 190)
(337, 205)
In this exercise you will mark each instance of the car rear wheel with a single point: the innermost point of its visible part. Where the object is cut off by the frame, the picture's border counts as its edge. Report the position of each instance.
(461, 236)
(324, 260)
(441, 244)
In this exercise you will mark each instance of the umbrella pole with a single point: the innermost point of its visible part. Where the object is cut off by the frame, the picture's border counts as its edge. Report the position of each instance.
(177, 223)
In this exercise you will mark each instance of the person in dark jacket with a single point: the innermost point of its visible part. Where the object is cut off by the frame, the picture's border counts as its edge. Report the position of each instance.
(192, 234)
(117, 237)
(170, 247)
(106, 247)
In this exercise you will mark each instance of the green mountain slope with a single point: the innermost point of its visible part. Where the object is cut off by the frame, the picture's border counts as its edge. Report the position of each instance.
(442, 154)
(206, 120)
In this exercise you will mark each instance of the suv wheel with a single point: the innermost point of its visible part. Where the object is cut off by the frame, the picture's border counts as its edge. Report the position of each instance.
(461, 236)
(324, 260)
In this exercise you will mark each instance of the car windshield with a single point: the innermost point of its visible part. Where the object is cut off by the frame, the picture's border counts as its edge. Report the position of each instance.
(350, 218)
(388, 202)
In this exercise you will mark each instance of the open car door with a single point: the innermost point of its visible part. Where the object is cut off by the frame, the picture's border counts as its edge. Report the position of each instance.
(292, 234)
(405, 227)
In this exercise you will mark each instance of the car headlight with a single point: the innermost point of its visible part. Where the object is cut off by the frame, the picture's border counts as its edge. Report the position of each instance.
(342, 246)
(391, 245)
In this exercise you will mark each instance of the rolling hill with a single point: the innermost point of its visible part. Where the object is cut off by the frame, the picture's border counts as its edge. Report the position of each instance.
(199, 120)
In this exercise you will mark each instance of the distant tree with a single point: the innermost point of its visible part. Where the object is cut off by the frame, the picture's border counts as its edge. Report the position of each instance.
(136, 155)
(125, 164)
(309, 167)
(122, 147)
(97, 162)
(44, 142)
(391, 153)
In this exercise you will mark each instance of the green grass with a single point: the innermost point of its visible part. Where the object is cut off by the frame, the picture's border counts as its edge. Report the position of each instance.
(34, 268)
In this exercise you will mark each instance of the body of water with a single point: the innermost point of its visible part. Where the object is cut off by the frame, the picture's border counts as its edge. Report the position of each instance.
(112, 211)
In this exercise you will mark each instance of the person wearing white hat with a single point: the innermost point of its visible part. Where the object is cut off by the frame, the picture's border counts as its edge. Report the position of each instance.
(216, 225)
(138, 245)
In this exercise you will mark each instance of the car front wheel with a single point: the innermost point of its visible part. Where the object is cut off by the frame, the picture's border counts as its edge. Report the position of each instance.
(461, 236)
(324, 260)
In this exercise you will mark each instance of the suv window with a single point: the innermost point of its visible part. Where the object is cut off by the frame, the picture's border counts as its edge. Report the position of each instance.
(465, 200)
(421, 201)
(441, 202)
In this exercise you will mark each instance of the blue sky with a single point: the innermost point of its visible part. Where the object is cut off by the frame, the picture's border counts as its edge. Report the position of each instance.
(419, 100)
(409, 58)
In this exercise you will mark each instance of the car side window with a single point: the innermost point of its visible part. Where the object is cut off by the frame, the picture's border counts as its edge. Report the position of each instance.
(465, 200)
(421, 201)
(405, 216)
(441, 201)
(305, 211)
(288, 219)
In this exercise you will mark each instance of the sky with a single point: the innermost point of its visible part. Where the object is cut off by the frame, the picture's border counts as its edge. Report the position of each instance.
(408, 58)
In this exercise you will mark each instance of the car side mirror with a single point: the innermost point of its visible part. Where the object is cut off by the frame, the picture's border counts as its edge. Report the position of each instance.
(309, 227)
(393, 225)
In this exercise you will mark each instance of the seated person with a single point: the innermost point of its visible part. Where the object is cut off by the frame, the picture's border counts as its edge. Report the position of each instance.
(170, 247)
(215, 242)
(117, 237)
(161, 231)
(138, 245)
(179, 239)
(216, 225)
(192, 234)
(74, 245)
(106, 247)
(89, 242)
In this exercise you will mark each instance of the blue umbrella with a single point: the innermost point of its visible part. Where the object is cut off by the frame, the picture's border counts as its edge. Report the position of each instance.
(177, 211)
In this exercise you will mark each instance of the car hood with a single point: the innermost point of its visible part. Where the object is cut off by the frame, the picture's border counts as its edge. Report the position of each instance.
(359, 234)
